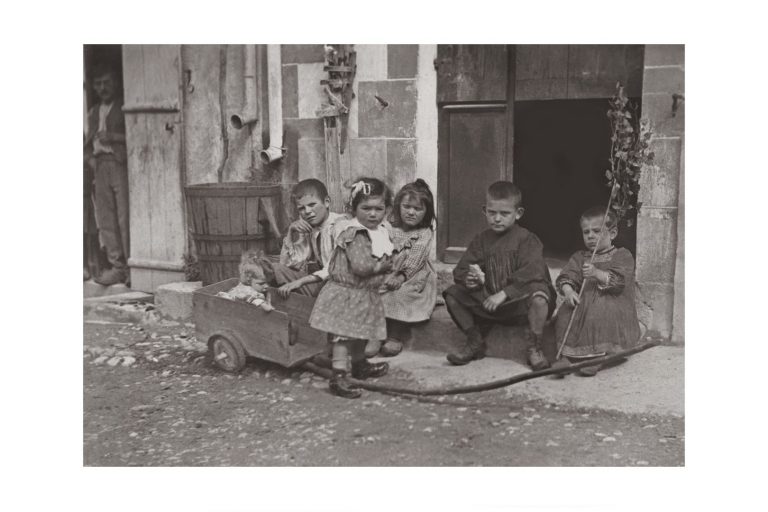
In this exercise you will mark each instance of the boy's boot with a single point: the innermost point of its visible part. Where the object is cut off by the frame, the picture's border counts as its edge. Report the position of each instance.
(536, 358)
(111, 276)
(560, 364)
(340, 386)
(364, 370)
(473, 349)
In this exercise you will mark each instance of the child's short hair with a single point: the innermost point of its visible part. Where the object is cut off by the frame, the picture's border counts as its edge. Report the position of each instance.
(310, 186)
(368, 187)
(253, 265)
(419, 190)
(505, 190)
(611, 220)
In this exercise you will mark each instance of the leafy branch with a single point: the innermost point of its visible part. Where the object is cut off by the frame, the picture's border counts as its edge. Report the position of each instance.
(630, 152)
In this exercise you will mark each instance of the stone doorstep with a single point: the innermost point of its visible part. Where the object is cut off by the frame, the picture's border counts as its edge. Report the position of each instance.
(174, 300)
(651, 382)
(93, 289)
(503, 341)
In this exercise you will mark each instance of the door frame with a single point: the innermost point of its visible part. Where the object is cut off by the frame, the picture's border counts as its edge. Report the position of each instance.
(446, 253)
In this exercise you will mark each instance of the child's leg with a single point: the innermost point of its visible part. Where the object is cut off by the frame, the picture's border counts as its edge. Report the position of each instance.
(460, 314)
(397, 333)
(474, 348)
(340, 357)
(341, 364)
(361, 368)
(537, 314)
(538, 310)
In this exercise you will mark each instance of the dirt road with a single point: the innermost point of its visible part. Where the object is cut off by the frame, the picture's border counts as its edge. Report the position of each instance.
(152, 399)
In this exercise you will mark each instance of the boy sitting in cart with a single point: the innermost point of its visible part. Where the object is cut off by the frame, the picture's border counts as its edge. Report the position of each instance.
(307, 247)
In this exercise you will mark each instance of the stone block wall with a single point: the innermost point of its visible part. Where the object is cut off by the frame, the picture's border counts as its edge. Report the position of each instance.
(382, 139)
(660, 224)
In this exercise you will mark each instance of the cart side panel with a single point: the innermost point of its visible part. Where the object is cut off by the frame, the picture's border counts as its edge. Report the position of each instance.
(311, 342)
(308, 342)
(263, 334)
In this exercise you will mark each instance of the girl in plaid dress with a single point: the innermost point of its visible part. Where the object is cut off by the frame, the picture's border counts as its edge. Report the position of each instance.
(349, 306)
(413, 283)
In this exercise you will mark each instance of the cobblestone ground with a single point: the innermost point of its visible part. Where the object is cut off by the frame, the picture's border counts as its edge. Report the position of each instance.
(152, 398)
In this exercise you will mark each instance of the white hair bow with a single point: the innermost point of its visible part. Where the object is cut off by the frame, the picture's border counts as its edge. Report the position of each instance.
(360, 186)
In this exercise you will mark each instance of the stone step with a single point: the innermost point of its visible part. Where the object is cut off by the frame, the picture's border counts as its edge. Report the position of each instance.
(505, 342)
(93, 289)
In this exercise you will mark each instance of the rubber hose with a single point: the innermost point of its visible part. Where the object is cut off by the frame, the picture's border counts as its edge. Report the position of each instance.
(487, 386)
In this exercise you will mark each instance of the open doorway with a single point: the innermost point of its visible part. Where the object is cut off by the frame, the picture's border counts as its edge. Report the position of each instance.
(561, 153)
(95, 57)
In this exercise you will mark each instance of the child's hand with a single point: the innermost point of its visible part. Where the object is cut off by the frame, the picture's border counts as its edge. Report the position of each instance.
(285, 290)
(300, 226)
(588, 270)
(394, 281)
(571, 297)
(381, 266)
(494, 301)
(472, 281)
(477, 273)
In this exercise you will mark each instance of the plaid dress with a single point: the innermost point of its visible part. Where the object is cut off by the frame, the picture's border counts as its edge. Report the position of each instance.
(414, 301)
(349, 305)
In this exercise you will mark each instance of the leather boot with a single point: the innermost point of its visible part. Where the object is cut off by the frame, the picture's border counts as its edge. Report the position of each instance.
(364, 370)
(340, 386)
(111, 276)
(473, 349)
(536, 358)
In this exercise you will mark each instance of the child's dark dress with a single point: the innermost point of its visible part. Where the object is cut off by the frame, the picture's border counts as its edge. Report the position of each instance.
(349, 304)
(606, 319)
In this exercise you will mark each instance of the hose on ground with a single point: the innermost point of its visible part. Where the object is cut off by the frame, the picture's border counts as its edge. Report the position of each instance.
(486, 386)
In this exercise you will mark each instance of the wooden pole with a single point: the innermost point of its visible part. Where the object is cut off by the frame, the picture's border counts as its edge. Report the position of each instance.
(591, 260)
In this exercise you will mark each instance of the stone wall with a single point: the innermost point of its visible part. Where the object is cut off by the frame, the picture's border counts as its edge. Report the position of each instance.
(382, 139)
(660, 225)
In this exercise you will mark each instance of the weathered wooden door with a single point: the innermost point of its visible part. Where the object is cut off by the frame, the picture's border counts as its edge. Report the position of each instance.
(475, 87)
(152, 83)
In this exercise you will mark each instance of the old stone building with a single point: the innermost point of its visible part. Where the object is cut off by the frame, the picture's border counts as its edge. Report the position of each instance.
(457, 116)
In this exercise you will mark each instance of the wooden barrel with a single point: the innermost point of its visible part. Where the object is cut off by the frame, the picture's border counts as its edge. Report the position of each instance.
(227, 219)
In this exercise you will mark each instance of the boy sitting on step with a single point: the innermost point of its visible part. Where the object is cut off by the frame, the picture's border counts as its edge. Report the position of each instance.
(501, 278)
(303, 263)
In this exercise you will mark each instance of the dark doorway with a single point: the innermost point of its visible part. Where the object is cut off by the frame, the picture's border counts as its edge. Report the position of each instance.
(95, 56)
(100, 56)
(561, 152)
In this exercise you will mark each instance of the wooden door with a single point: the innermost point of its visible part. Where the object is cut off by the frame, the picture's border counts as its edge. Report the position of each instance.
(152, 82)
(475, 87)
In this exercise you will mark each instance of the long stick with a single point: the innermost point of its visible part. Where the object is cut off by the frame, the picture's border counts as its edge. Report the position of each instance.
(486, 386)
(591, 259)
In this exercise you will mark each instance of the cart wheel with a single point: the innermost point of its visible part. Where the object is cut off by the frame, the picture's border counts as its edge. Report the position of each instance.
(227, 354)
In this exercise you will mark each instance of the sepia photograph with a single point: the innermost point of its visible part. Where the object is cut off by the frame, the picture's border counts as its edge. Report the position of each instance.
(335, 255)
(383, 256)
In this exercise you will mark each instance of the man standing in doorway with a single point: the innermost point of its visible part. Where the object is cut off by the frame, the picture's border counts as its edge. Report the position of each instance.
(105, 152)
